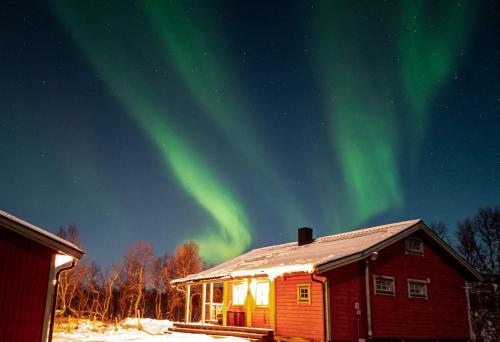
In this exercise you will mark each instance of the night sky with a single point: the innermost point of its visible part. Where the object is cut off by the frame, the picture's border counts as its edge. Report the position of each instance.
(233, 123)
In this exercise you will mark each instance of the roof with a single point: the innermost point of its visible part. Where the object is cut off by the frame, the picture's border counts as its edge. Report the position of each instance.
(39, 235)
(321, 255)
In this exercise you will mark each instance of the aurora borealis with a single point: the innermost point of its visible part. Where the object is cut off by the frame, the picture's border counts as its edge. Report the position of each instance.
(365, 121)
(234, 123)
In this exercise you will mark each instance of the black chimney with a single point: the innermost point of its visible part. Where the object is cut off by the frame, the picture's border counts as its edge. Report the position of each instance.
(305, 236)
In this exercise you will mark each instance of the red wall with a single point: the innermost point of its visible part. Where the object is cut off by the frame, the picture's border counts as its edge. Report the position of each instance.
(298, 320)
(261, 317)
(346, 289)
(443, 315)
(24, 276)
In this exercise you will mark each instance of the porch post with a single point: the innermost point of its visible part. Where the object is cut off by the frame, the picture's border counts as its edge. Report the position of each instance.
(249, 301)
(203, 303)
(188, 304)
(225, 304)
(272, 302)
(211, 302)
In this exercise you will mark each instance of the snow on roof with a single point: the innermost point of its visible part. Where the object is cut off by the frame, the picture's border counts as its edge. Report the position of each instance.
(40, 235)
(288, 258)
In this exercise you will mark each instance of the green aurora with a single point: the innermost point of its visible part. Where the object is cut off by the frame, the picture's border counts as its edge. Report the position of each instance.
(108, 54)
(367, 124)
(195, 46)
(430, 52)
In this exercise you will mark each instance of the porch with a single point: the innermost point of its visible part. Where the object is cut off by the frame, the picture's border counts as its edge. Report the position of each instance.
(230, 307)
(253, 334)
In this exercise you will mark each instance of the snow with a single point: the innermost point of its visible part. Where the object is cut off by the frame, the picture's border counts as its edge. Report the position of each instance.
(127, 330)
(288, 258)
(274, 272)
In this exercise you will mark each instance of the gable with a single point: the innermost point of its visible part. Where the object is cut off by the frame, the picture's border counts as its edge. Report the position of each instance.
(420, 231)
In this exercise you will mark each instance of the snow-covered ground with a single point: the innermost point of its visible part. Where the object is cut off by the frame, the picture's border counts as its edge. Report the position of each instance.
(127, 330)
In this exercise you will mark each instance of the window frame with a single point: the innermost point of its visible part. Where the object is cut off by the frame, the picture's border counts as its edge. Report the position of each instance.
(268, 283)
(300, 300)
(242, 284)
(408, 250)
(417, 281)
(383, 293)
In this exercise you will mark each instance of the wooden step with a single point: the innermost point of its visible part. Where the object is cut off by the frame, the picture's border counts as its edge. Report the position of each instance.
(251, 336)
(262, 331)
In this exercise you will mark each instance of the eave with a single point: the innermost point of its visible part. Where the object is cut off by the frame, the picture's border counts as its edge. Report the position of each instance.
(323, 267)
(39, 235)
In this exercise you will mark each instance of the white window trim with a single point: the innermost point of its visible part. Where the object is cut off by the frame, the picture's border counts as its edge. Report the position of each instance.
(268, 292)
(409, 251)
(244, 297)
(420, 281)
(375, 277)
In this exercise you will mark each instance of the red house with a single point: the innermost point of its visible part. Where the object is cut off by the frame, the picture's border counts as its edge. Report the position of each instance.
(30, 262)
(393, 282)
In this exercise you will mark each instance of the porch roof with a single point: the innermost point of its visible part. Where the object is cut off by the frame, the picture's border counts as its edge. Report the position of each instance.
(321, 255)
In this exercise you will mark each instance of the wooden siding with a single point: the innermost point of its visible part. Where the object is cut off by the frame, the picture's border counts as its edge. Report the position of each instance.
(260, 317)
(24, 275)
(443, 315)
(299, 320)
(346, 289)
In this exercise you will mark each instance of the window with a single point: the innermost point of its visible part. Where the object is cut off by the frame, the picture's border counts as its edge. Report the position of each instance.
(304, 293)
(239, 293)
(262, 293)
(384, 285)
(417, 288)
(414, 246)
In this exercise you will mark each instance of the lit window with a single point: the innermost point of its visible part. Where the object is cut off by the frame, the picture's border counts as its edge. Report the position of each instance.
(415, 246)
(417, 288)
(262, 293)
(239, 293)
(384, 285)
(304, 293)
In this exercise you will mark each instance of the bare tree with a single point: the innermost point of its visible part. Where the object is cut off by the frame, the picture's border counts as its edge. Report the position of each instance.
(69, 282)
(479, 240)
(110, 279)
(186, 260)
(70, 234)
(139, 286)
(70, 290)
(136, 265)
(94, 289)
(160, 275)
(440, 229)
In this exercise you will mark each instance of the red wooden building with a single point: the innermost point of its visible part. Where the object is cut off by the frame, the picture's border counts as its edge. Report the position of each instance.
(30, 261)
(392, 282)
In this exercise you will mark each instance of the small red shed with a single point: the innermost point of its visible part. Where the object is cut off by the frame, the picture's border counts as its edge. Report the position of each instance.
(392, 282)
(30, 261)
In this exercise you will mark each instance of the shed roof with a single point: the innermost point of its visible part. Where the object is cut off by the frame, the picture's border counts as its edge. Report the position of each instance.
(39, 235)
(321, 255)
